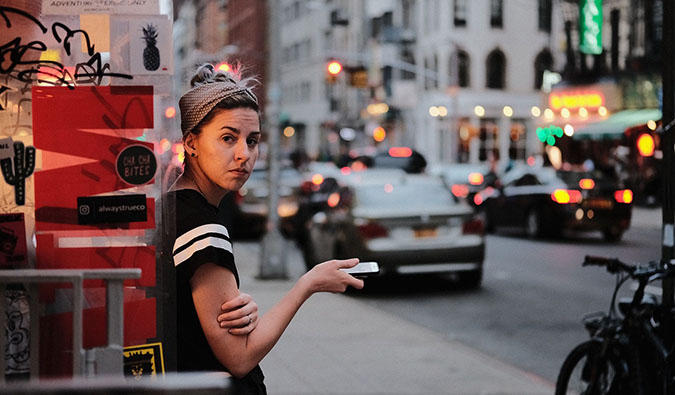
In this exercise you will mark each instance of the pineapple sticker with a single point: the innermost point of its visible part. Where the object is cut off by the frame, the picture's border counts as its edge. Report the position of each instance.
(150, 52)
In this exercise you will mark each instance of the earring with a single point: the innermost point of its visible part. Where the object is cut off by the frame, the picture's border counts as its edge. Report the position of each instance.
(193, 154)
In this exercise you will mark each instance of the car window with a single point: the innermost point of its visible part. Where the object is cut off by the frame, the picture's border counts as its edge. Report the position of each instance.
(526, 180)
(399, 195)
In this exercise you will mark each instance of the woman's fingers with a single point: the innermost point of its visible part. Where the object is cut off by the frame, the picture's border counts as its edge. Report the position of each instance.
(347, 263)
(244, 326)
(237, 302)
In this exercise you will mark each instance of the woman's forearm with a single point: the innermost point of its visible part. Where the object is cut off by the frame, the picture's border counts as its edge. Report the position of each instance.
(270, 328)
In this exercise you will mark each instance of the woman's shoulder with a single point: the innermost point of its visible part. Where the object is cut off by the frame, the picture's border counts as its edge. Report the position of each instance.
(190, 210)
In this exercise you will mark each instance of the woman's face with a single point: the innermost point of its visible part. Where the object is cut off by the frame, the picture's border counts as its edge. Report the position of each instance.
(227, 147)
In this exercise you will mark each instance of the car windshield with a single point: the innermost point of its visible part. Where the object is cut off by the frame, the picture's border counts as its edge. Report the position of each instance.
(573, 177)
(395, 195)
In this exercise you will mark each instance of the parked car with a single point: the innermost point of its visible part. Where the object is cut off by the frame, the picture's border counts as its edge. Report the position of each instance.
(545, 202)
(409, 224)
(465, 179)
(403, 158)
(246, 210)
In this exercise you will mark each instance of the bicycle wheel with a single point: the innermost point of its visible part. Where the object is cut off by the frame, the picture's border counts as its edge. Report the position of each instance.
(586, 372)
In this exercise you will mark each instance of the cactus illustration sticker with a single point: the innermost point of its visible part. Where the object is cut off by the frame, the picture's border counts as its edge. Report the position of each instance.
(16, 170)
(150, 46)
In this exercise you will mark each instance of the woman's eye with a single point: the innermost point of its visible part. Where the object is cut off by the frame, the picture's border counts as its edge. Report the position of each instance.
(228, 138)
(253, 142)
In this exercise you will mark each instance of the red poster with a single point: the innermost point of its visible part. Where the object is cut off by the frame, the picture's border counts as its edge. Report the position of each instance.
(80, 132)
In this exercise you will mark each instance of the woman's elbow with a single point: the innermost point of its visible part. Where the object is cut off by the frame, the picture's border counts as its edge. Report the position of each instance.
(240, 369)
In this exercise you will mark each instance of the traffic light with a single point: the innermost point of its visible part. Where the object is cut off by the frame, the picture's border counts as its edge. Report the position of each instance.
(548, 134)
(224, 66)
(645, 144)
(333, 68)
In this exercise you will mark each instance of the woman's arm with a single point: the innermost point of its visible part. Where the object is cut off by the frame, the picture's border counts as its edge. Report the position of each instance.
(239, 315)
(211, 284)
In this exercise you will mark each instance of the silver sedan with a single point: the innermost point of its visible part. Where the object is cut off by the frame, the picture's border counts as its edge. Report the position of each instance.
(409, 224)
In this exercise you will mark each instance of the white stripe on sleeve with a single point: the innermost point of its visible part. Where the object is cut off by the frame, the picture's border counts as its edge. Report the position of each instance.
(200, 245)
(198, 231)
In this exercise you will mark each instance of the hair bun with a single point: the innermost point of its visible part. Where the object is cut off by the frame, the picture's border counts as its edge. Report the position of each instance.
(207, 74)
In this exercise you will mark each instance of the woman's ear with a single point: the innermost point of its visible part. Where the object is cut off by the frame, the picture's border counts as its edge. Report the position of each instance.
(189, 143)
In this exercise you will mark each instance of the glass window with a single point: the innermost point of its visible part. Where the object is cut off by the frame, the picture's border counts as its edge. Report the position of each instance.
(396, 195)
(544, 7)
(496, 13)
(488, 139)
(543, 62)
(517, 146)
(496, 70)
(460, 12)
(463, 69)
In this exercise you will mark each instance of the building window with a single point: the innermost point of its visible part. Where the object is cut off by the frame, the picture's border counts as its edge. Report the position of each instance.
(409, 58)
(544, 7)
(496, 13)
(458, 69)
(496, 70)
(431, 73)
(460, 12)
(463, 69)
(489, 140)
(543, 62)
(517, 146)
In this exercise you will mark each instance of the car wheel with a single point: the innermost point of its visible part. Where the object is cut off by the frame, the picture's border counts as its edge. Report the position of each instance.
(613, 233)
(471, 279)
(532, 224)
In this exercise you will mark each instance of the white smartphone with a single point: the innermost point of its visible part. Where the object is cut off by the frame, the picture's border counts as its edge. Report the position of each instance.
(363, 269)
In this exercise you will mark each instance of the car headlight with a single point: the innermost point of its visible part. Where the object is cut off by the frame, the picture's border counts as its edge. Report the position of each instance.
(287, 209)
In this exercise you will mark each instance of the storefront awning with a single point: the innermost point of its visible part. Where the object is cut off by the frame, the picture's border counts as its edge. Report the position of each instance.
(614, 126)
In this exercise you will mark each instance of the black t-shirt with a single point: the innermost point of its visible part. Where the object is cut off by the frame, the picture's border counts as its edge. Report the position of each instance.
(201, 237)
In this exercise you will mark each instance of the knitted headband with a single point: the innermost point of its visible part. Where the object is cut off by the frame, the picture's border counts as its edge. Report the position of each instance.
(200, 100)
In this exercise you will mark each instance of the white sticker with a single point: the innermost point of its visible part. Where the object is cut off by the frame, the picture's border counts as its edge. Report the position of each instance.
(118, 7)
(6, 148)
(668, 237)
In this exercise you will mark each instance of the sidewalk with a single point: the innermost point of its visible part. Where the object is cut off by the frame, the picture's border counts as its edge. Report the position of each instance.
(647, 217)
(337, 345)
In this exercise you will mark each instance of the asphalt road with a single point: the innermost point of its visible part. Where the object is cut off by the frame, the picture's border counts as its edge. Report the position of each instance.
(529, 309)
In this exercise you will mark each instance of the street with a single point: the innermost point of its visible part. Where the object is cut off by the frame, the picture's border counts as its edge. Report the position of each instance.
(535, 292)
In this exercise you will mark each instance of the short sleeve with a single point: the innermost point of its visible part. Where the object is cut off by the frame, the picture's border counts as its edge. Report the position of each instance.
(208, 243)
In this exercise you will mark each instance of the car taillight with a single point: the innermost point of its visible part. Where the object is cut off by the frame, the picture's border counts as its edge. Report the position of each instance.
(460, 190)
(473, 226)
(475, 178)
(623, 196)
(372, 230)
(586, 183)
(565, 196)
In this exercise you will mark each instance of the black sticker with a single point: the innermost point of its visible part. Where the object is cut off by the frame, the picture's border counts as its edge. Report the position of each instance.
(136, 165)
(111, 209)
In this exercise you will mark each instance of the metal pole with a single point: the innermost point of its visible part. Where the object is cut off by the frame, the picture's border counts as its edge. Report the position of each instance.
(668, 79)
(273, 250)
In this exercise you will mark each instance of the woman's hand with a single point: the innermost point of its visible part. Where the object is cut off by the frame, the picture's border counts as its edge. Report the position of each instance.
(240, 315)
(327, 276)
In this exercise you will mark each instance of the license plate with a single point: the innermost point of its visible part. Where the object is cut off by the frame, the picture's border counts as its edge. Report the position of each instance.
(599, 203)
(425, 232)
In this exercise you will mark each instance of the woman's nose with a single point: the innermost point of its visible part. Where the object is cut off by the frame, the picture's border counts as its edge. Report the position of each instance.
(241, 151)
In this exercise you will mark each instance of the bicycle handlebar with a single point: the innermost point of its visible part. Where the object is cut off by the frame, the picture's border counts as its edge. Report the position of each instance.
(614, 265)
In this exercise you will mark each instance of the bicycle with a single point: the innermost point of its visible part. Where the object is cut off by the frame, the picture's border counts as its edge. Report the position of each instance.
(626, 353)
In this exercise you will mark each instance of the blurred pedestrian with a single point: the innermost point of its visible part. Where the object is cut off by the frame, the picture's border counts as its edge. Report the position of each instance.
(218, 328)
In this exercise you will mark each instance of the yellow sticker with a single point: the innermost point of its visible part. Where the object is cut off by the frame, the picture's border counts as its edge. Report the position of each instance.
(144, 361)
(97, 27)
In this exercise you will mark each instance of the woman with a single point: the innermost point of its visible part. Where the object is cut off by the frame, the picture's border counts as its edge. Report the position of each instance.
(220, 122)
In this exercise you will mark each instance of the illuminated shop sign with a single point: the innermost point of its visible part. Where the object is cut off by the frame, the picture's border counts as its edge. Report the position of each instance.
(575, 100)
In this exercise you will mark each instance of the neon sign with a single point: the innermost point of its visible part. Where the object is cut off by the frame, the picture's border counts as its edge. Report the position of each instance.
(576, 100)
